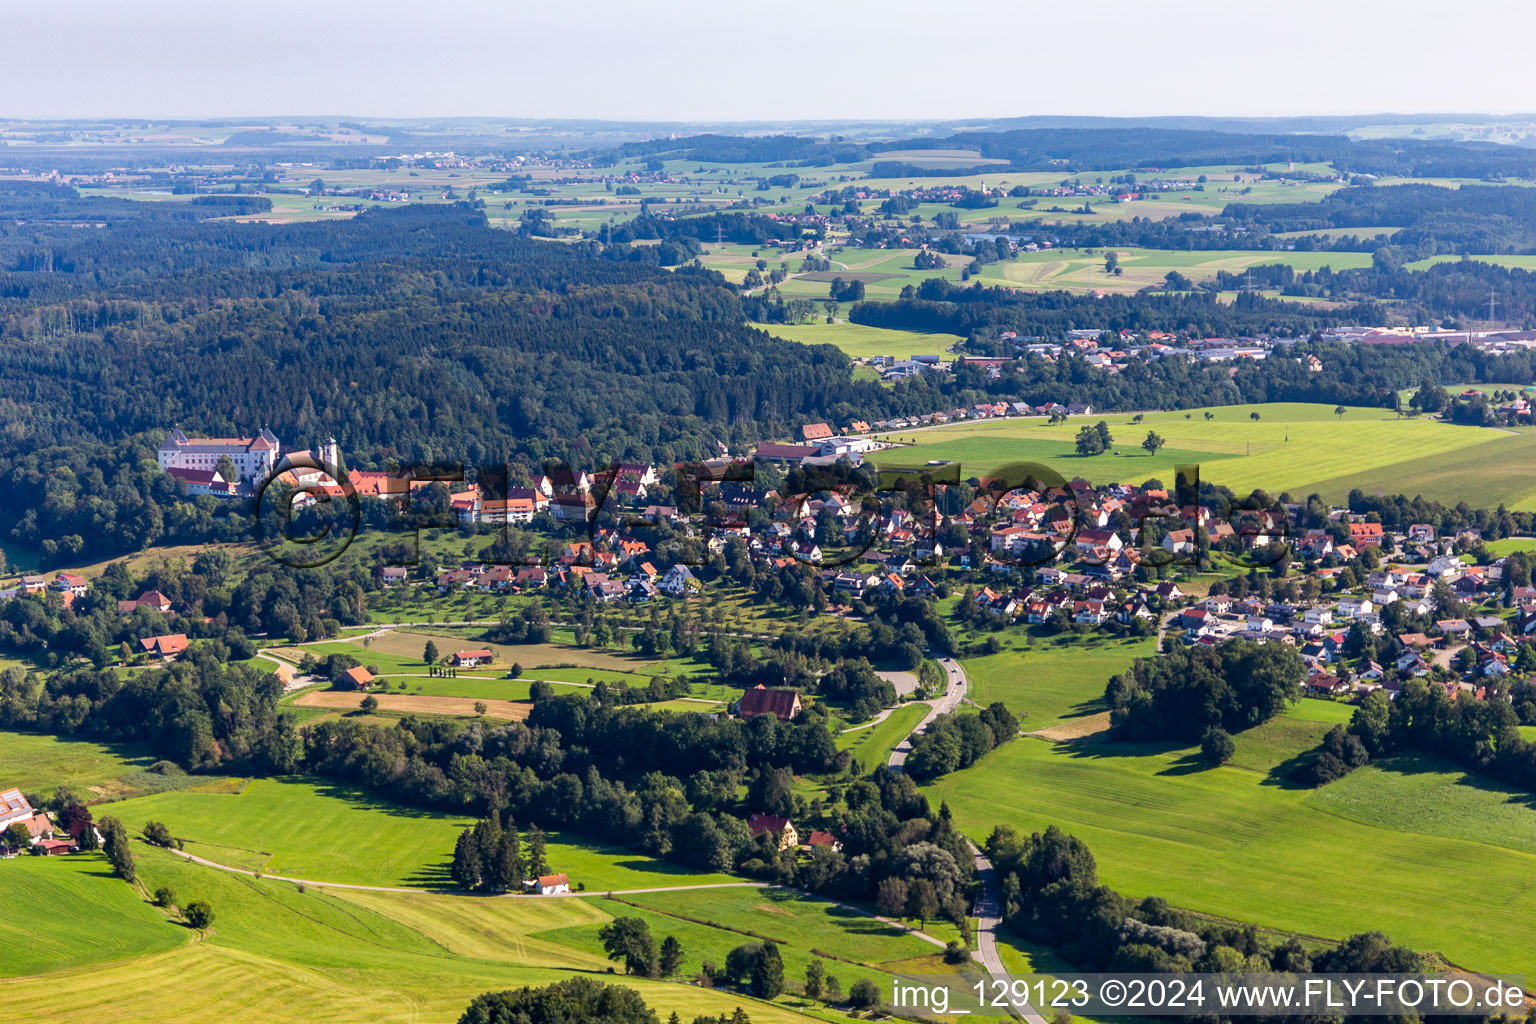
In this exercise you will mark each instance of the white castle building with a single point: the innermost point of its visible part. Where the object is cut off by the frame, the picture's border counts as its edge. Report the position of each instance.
(254, 457)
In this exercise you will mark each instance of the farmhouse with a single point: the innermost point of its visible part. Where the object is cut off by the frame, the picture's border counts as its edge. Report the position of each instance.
(549, 885)
(359, 677)
(14, 810)
(783, 704)
(167, 647)
(758, 823)
(827, 839)
(469, 659)
(151, 599)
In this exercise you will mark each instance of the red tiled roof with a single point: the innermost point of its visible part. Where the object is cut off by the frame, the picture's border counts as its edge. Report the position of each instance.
(173, 643)
(762, 701)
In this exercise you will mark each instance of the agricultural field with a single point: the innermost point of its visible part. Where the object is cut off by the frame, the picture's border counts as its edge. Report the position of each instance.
(90, 917)
(1268, 852)
(410, 703)
(329, 832)
(1292, 447)
(1516, 261)
(1083, 269)
(34, 762)
(1056, 680)
(1414, 793)
(861, 342)
(281, 954)
(709, 923)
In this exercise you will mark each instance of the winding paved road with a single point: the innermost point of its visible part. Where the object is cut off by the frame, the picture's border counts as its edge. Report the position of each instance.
(954, 693)
(989, 907)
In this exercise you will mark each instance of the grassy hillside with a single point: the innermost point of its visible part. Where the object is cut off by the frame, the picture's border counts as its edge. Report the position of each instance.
(1239, 842)
(278, 955)
(873, 745)
(304, 828)
(33, 762)
(1293, 447)
(70, 911)
(862, 342)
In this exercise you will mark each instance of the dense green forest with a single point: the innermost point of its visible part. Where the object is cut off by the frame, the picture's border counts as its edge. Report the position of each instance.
(1106, 148)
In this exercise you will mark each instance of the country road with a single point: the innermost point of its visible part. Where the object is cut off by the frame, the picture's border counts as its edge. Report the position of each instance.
(989, 914)
(989, 907)
(954, 693)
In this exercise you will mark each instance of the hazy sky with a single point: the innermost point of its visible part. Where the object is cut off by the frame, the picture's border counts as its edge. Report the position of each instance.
(691, 59)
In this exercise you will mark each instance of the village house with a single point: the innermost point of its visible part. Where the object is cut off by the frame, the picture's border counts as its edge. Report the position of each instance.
(359, 677)
(167, 647)
(826, 839)
(14, 810)
(760, 700)
(549, 885)
(679, 581)
(758, 823)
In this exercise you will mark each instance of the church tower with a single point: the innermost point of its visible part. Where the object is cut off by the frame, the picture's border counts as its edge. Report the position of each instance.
(330, 456)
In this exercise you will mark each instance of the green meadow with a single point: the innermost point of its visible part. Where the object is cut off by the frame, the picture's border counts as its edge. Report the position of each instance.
(707, 943)
(1083, 269)
(71, 911)
(1053, 680)
(1293, 447)
(36, 762)
(861, 342)
(872, 745)
(329, 832)
(281, 954)
(1238, 841)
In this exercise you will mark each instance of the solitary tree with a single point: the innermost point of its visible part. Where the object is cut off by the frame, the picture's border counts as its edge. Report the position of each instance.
(429, 653)
(864, 994)
(922, 901)
(1339, 411)
(199, 914)
(891, 897)
(1089, 442)
(537, 865)
(157, 832)
(1153, 443)
(115, 845)
(369, 704)
(1216, 746)
(165, 896)
(1254, 416)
